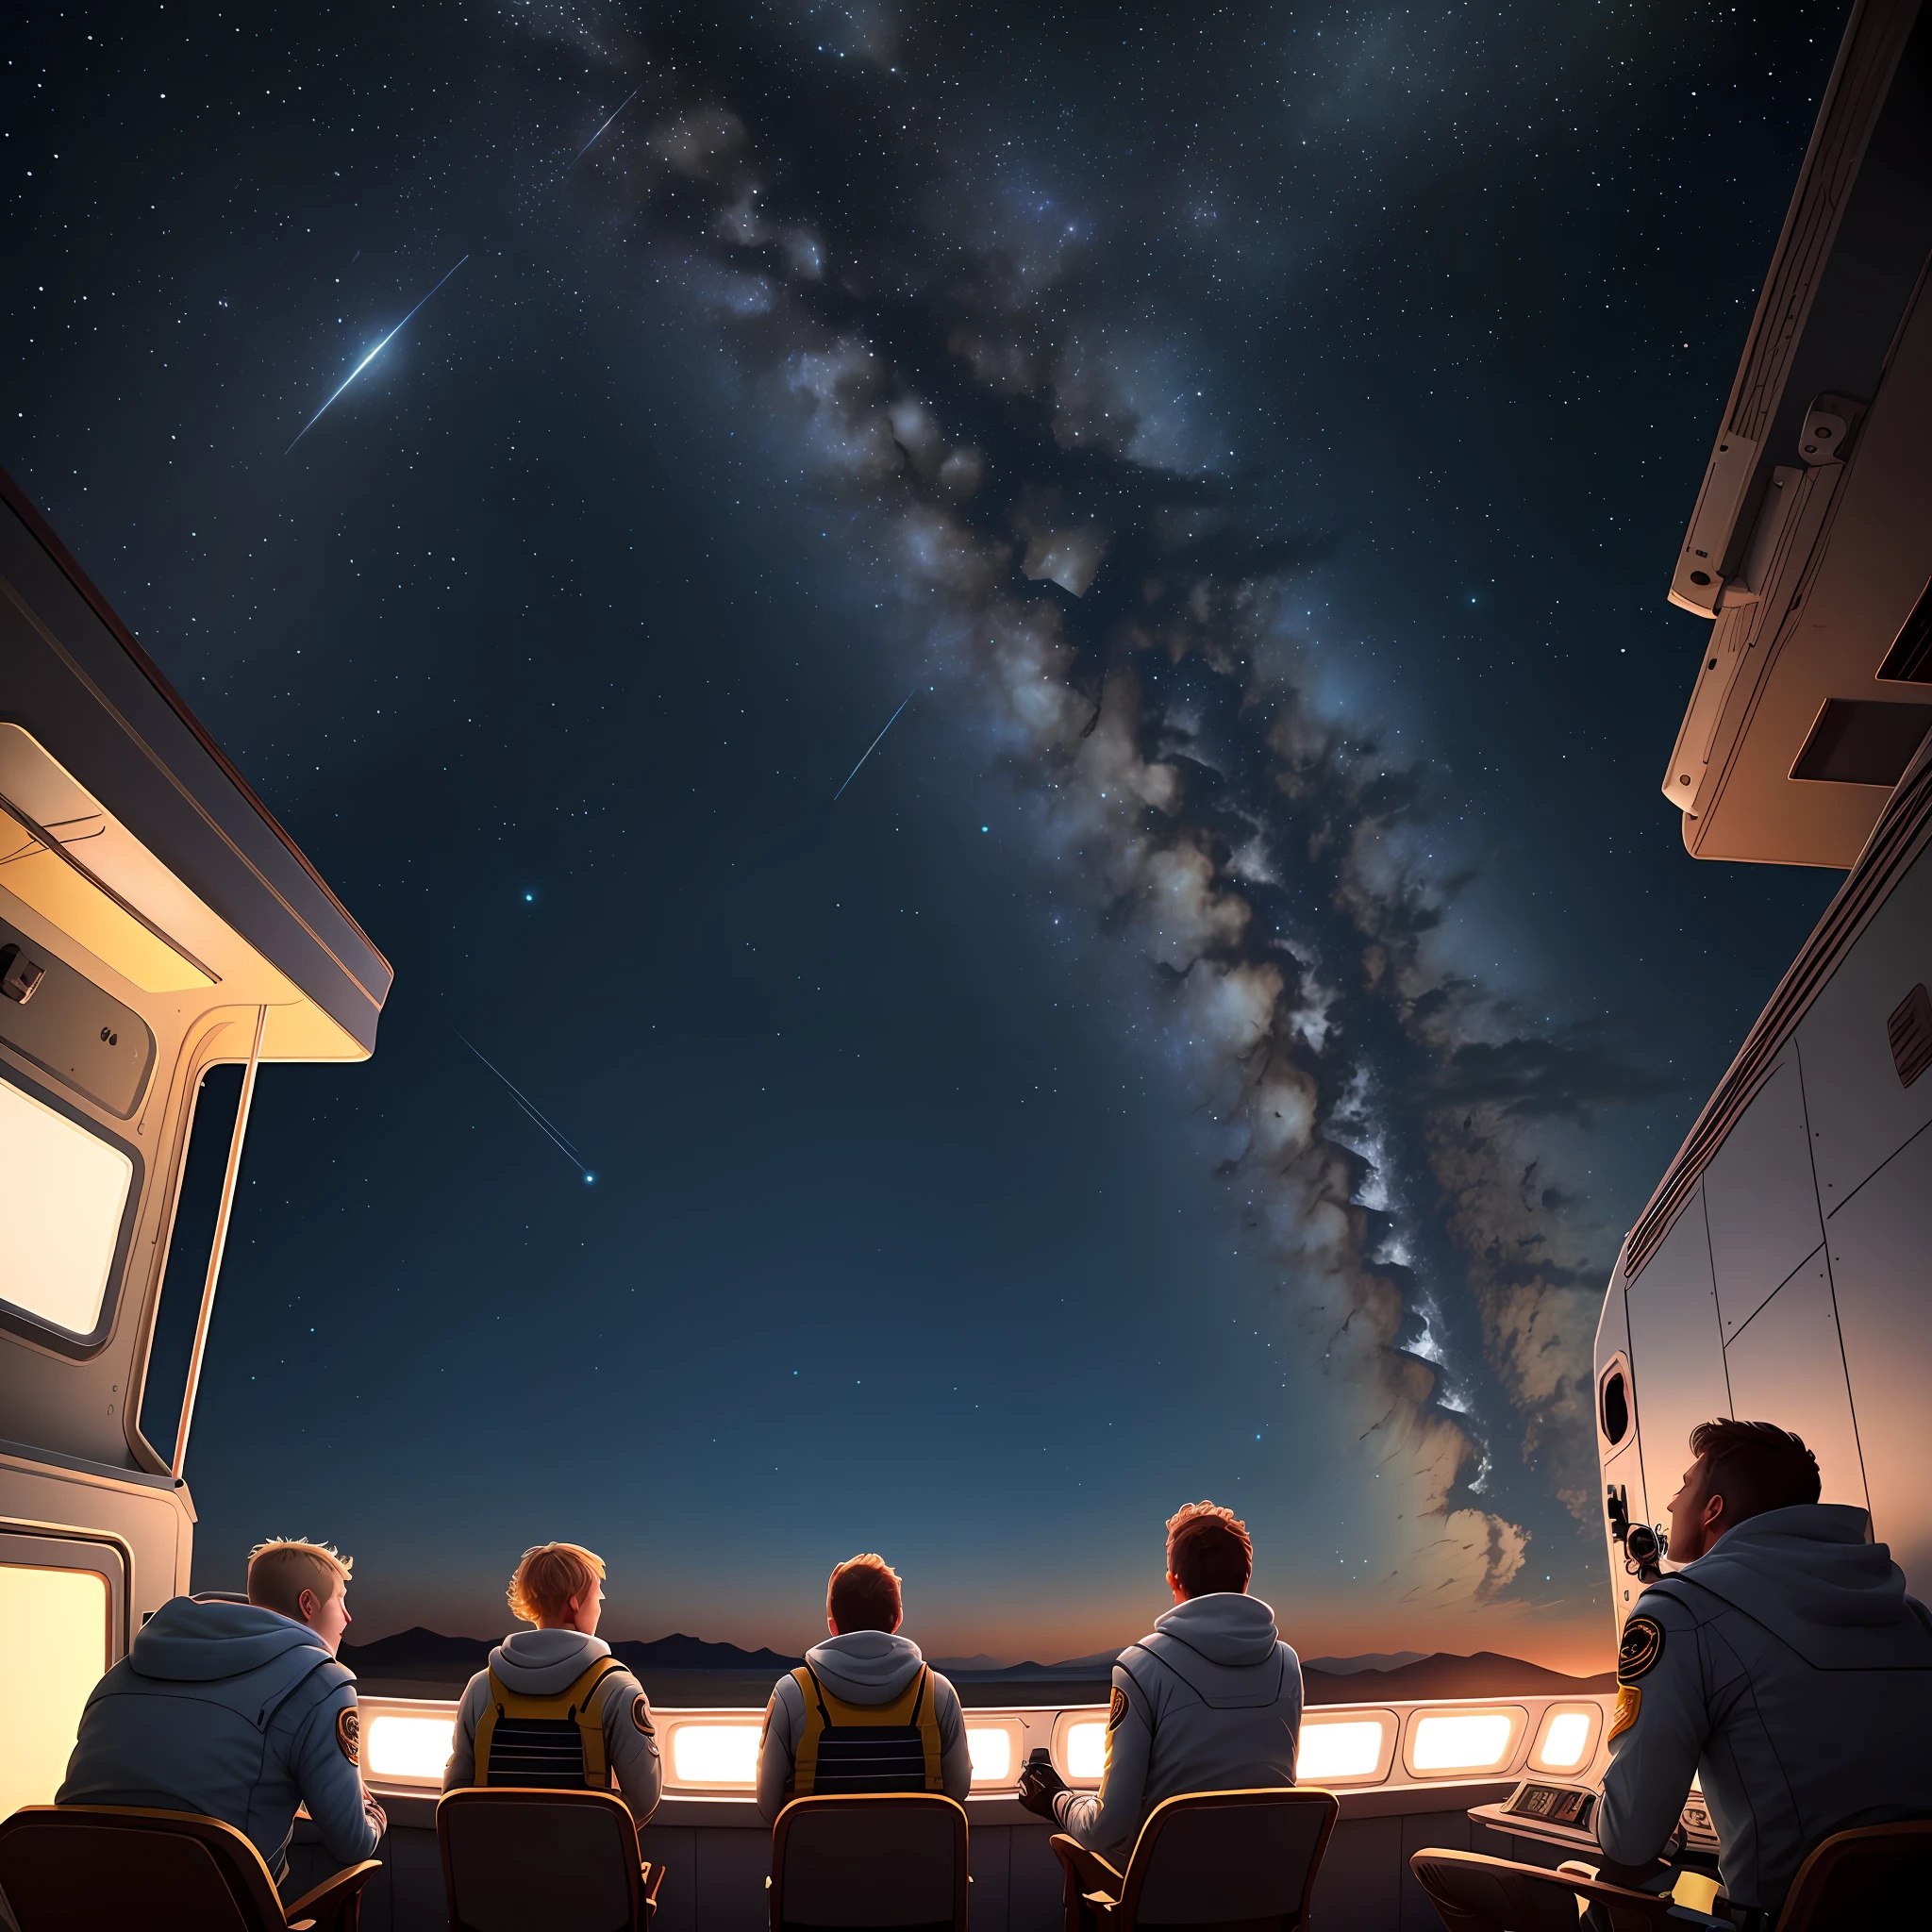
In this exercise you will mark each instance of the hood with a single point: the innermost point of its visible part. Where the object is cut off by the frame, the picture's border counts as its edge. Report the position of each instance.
(1228, 1627)
(1809, 1577)
(540, 1663)
(866, 1667)
(190, 1642)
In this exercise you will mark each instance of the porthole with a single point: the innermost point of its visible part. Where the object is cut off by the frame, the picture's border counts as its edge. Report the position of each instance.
(1616, 1407)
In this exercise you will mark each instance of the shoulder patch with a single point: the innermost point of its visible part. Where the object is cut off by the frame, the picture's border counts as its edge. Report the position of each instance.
(349, 1734)
(1117, 1709)
(640, 1715)
(1629, 1702)
(1642, 1643)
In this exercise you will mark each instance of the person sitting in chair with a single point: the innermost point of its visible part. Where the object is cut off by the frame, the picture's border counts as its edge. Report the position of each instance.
(554, 1710)
(1210, 1701)
(865, 1711)
(239, 1711)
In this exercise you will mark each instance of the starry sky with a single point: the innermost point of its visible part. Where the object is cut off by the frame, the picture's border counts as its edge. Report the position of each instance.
(1214, 1043)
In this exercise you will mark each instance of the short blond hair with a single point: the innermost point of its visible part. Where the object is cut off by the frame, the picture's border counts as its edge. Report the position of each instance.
(281, 1569)
(548, 1577)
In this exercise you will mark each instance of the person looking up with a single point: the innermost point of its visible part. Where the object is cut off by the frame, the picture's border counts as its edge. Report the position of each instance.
(553, 1708)
(1783, 1665)
(1210, 1700)
(865, 1711)
(239, 1711)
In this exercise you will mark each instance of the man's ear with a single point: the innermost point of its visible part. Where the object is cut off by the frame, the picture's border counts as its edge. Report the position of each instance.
(309, 1604)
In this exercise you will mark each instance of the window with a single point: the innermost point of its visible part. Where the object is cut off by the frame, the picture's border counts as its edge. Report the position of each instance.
(1451, 1741)
(1567, 1737)
(405, 1745)
(63, 1191)
(715, 1756)
(1616, 1416)
(63, 1619)
(1355, 1749)
(995, 1749)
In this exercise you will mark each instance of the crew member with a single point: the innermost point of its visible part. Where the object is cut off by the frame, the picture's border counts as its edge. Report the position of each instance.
(239, 1711)
(1210, 1701)
(555, 1709)
(1784, 1664)
(865, 1711)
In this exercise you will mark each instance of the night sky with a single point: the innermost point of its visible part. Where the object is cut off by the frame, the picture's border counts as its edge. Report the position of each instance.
(1215, 1042)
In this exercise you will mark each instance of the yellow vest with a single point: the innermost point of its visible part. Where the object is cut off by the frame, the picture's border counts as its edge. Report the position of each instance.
(866, 1747)
(555, 1742)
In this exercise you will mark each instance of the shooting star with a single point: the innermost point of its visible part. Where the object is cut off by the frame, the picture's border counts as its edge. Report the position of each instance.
(539, 1121)
(602, 131)
(366, 361)
(871, 747)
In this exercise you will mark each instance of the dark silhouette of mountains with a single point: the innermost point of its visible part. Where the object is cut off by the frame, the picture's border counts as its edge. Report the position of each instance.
(427, 1655)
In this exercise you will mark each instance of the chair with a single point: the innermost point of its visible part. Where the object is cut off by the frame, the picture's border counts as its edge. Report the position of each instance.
(1475, 1892)
(1879, 1874)
(515, 1856)
(871, 1859)
(115, 1868)
(1243, 1861)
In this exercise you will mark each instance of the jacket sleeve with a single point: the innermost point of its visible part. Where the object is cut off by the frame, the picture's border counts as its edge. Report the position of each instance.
(630, 1743)
(1657, 1730)
(460, 1772)
(327, 1767)
(783, 1716)
(1107, 1820)
(956, 1760)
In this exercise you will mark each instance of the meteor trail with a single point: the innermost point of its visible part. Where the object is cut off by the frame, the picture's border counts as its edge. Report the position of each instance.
(873, 746)
(357, 371)
(600, 133)
(539, 1120)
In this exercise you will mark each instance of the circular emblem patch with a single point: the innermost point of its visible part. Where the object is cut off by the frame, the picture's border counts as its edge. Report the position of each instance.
(349, 1734)
(640, 1714)
(1643, 1644)
(1117, 1709)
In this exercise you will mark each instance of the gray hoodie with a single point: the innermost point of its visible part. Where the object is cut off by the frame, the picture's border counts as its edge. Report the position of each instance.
(541, 1663)
(1211, 1701)
(1789, 1669)
(236, 1712)
(865, 1667)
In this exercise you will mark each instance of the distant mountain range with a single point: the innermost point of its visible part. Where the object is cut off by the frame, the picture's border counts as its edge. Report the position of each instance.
(418, 1655)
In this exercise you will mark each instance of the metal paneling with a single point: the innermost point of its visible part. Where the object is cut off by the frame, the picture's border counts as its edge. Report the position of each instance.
(1785, 1368)
(1759, 1200)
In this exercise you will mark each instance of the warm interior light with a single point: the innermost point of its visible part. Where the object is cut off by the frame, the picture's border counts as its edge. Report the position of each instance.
(1338, 1750)
(1471, 1741)
(991, 1750)
(53, 1633)
(413, 1747)
(61, 1193)
(716, 1754)
(1086, 1749)
(1565, 1735)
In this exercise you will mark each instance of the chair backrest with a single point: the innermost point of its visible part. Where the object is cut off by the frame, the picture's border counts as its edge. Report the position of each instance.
(1475, 1892)
(1880, 1875)
(869, 1859)
(111, 1868)
(515, 1857)
(1245, 1859)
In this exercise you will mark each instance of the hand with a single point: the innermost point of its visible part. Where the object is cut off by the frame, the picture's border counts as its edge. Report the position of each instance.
(1039, 1783)
(376, 1814)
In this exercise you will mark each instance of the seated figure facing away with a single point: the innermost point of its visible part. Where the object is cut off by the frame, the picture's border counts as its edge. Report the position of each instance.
(553, 1708)
(239, 1711)
(1210, 1701)
(865, 1712)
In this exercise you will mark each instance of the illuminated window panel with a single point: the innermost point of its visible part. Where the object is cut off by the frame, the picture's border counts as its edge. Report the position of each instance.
(992, 1748)
(1338, 1751)
(58, 1619)
(1085, 1747)
(1462, 1740)
(716, 1756)
(1568, 1739)
(412, 1748)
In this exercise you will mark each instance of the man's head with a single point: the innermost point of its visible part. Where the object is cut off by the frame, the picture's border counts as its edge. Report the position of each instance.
(1737, 1469)
(558, 1587)
(1208, 1551)
(864, 1594)
(306, 1581)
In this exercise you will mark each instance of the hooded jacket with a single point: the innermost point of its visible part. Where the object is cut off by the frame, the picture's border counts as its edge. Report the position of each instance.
(233, 1711)
(1211, 1701)
(541, 1663)
(1790, 1671)
(863, 1667)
